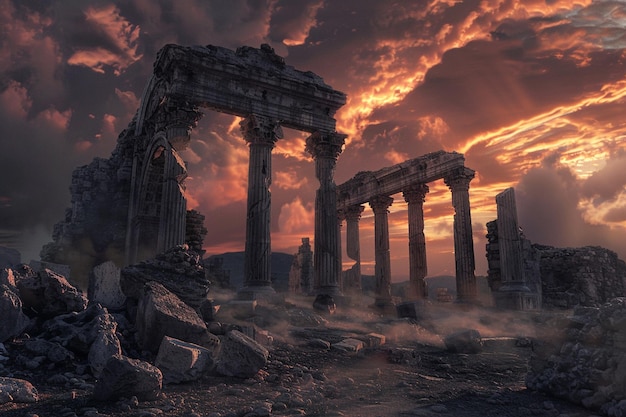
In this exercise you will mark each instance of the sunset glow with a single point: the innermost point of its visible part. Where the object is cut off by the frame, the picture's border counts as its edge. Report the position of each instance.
(532, 92)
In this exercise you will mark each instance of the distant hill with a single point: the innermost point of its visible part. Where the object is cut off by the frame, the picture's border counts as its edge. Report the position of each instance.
(281, 265)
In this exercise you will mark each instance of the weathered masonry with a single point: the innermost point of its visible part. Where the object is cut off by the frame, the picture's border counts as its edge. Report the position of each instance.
(148, 174)
(411, 178)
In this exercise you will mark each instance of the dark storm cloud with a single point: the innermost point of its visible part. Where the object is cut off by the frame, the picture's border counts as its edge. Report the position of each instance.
(606, 183)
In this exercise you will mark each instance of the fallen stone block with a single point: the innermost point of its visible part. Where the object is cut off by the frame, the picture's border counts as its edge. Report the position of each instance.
(17, 391)
(181, 361)
(50, 294)
(464, 341)
(104, 286)
(374, 340)
(105, 345)
(240, 356)
(325, 303)
(161, 313)
(13, 320)
(126, 377)
(349, 345)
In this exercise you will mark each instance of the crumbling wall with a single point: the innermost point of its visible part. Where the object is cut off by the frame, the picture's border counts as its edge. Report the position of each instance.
(586, 276)
(301, 272)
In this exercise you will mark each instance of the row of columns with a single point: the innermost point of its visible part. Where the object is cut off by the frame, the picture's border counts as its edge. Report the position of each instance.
(261, 134)
(415, 196)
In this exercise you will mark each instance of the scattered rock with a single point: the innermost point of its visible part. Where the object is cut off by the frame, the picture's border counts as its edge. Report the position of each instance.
(325, 303)
(349, 345)
(180, 361)
(241, 356)
(17, 390)
(161, 313)
(14, 321)
(50, 294)
(125, 377)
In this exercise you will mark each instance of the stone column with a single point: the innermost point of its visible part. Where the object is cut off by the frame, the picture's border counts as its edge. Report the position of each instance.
(341, 216)
(261, 134)
(325, 148)
(353, 246)
(458, 183)
(379, 205)
(415, 196)
(173, 214)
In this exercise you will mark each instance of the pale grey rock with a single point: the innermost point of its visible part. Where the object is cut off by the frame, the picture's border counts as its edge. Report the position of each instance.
(464, 341)
(17, 390)
(161, 313)
(181, 361)
(50, 294)
(240, 356)
(104, 286)
(12, 320)
(105, 345)
(125, 377)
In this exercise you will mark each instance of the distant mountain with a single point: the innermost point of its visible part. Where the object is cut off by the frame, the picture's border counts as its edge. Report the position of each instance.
(234, 262)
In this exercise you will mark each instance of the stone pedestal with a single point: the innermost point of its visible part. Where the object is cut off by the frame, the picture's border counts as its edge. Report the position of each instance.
(415, 197)
(261, 134)
(458, 183)
(325, 148)
(379, 205)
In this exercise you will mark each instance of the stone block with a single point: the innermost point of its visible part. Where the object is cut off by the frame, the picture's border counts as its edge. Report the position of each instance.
(464, 341)
(12, 320)
(374, 340)
(105, 345)
(181, 361)
(17, 391)
(104, 286)
(241, 356)
(160, 313)
(50, 294)
(349, 345)
(126, 377)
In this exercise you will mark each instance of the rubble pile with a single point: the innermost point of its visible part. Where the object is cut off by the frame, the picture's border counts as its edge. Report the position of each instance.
(178, 269)
(582, 358)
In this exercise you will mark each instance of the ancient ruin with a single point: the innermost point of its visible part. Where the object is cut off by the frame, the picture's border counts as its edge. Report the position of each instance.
(301, 272)
(144, 179)
(411, 178)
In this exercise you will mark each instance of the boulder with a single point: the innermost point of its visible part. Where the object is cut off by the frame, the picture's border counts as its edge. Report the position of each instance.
(78, 331)
(17, 391)
(104, 286)
(105, 345)
(181, 361)
(50, 294)
(464, 341)
(126, 377)
(161, 313)
(241, 356)
(325, 303)
(53, 351)
(12, 320)
(178, 269)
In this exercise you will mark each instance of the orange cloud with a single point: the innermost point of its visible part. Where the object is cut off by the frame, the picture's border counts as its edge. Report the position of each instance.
(15, 100)
(288, 180)
(296, 217)
(55, 119)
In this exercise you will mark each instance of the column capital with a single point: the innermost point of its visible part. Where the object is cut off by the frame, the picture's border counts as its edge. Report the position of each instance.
(325, 145)
(260, 130)
(176, 118)
(460, 179)
(380, 203)
(415, 193)
(354, 212)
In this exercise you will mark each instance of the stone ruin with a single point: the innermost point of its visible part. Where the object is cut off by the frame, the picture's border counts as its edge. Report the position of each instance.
(301, 272)
(527, 276)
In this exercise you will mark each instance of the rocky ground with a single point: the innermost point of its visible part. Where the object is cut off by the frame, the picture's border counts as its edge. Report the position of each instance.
(411, 374)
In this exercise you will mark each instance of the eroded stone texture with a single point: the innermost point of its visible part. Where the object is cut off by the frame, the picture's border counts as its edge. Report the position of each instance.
(104, 286)
(161, 313)
(17, 390)
(581, 357)
(50, 294)
(181, 361)
(126, 377)
(178, 269)
(12, 320)
(241, 356)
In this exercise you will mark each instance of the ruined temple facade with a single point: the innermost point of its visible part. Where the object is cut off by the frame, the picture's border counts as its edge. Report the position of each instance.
(301, 272)
(411, 178)
(132, 206)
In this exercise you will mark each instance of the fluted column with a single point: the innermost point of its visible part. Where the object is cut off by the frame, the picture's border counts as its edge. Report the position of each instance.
(325, 148)
(341, 216)
(261, 134)
(353, 247)
(458, 183)
(173, 202)
(379, 205)
(415, 196)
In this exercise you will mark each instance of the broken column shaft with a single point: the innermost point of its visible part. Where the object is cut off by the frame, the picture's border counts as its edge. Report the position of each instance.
(379, 205)
(415, 196)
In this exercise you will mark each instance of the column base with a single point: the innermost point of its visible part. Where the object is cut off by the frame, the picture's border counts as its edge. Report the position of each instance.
(325, 303)
(256, 292)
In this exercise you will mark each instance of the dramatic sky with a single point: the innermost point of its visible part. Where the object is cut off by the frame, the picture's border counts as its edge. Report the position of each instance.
(532, 92)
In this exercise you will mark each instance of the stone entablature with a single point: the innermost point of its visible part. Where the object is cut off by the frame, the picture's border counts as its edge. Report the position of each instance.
(411, 178)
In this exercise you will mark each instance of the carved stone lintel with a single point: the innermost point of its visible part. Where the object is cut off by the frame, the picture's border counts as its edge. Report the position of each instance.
(260, 130)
